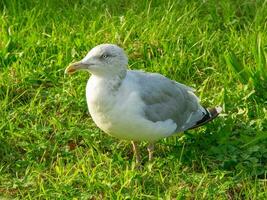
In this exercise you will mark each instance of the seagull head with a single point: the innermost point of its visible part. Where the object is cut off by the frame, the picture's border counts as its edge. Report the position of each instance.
(103, 60)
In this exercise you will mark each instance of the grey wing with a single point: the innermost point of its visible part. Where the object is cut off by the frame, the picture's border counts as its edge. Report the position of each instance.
(166, 99)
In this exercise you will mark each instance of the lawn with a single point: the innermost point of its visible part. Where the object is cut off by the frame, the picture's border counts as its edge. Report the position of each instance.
(51, 149)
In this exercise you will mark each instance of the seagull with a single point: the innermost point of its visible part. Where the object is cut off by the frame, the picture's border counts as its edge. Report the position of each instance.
(135, 105)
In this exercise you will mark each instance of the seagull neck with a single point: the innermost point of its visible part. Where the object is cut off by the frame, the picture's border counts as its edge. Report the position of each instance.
(111, 81)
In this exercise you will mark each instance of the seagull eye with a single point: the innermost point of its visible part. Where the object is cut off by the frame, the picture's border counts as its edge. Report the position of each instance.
(104, 56)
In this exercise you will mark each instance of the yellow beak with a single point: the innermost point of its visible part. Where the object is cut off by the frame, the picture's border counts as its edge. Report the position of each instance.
(73, 67)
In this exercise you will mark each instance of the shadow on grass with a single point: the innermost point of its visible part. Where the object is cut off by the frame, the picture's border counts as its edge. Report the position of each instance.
(235, 149)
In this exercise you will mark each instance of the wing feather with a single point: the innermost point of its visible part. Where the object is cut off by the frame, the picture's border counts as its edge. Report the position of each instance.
(166, 99)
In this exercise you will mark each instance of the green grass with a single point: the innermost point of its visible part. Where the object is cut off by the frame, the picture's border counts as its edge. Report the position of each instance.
(51, 149)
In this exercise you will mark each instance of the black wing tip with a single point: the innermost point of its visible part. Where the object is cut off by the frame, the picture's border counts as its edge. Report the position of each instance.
(212, 113)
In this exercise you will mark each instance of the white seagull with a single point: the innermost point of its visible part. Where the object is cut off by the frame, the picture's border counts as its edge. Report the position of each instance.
(135, 105)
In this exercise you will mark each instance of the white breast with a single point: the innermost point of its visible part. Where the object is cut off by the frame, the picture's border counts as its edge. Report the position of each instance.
(120, 113)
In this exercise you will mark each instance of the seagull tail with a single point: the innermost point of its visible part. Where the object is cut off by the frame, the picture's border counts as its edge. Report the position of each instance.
(211, 113)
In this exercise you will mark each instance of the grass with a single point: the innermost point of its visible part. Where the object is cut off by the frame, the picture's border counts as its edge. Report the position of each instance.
(51, 149)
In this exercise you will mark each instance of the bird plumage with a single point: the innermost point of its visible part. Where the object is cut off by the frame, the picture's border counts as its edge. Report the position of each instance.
(136, 105)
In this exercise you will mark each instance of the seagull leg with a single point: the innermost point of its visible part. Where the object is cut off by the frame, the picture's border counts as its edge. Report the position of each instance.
(136, 151)
(150, 149)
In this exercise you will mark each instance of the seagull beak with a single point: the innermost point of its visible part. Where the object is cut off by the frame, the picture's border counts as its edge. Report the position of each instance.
(73, 67)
